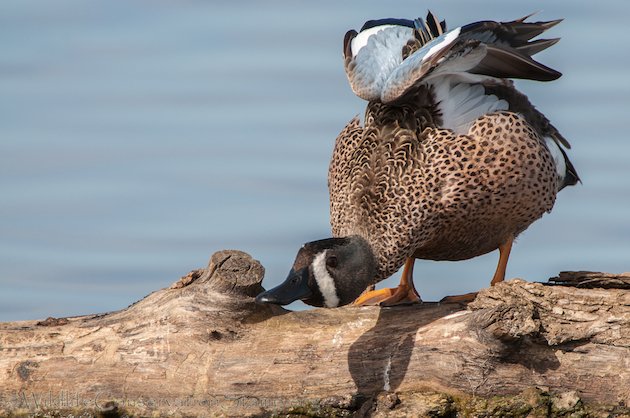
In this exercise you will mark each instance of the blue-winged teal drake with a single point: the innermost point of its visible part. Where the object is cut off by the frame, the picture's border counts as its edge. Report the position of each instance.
(451, 161)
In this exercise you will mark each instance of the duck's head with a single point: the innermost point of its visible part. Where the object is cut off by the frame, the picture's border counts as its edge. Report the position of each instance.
(330, 272)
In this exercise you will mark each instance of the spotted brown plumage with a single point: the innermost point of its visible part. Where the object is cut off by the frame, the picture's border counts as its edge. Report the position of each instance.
(450, 162)
(413, 190)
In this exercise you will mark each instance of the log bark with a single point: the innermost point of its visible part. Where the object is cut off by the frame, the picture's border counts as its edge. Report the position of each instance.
(203, 347)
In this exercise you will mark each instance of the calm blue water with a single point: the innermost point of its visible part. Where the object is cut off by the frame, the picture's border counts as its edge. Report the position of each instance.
(137, 138)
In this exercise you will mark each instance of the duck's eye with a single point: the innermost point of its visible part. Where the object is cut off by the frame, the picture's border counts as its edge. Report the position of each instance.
(331, 261)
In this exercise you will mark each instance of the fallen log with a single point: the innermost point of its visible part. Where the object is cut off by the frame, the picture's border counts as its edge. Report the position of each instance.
(203, 347)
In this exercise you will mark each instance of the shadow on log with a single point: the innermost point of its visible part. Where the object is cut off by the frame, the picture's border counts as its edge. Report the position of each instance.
(203, 347)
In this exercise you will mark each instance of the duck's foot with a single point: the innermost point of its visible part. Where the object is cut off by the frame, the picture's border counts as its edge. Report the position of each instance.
(400, 295)
(461, 299)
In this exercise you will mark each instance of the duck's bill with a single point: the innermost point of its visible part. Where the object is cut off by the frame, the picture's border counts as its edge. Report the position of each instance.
(295, 287)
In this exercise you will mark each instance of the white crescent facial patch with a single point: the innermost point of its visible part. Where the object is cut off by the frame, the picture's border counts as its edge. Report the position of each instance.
(324, 281)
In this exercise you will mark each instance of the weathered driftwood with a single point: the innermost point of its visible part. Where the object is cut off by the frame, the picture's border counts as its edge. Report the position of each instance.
(204, 347)
(591, 280)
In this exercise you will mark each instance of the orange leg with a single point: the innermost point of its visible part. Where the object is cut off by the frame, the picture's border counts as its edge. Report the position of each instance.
(499, 274)
(404, 293)
(504, 254)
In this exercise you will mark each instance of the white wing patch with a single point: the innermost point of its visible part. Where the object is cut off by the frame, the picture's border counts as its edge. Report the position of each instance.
(419, 66)
(448, 38)
(376, 53)
(461, 103)
(361, 39)
(324, 281)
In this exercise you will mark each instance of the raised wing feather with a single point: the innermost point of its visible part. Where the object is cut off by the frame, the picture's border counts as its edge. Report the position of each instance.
(373, 56)
(378, 69)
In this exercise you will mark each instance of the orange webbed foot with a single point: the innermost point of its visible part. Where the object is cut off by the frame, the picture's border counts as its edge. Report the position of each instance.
(388, 297)
(404, 294)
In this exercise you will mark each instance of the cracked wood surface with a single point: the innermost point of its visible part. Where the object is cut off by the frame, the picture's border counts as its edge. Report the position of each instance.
(203, 346)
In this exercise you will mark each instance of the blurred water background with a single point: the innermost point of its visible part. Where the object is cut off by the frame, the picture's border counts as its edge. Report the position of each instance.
(138, 137)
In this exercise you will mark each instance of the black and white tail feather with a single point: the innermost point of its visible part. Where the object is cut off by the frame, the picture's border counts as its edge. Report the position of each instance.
(388, 59)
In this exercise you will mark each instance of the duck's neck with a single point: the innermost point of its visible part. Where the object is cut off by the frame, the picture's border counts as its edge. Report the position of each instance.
(383, 253)
(362, 267)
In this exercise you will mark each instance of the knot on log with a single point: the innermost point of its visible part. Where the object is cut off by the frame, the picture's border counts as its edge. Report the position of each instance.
(230, 272)
(234, 272)
(506, 314)
(223, 293)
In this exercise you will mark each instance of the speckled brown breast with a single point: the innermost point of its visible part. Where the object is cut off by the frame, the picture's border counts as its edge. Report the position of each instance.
(413, 190)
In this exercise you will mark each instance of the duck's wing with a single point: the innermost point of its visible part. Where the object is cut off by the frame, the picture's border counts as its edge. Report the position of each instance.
(465, 69)
(373, 53)
(387, 58)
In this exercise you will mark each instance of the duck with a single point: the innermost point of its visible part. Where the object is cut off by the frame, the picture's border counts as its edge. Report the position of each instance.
(451, 160)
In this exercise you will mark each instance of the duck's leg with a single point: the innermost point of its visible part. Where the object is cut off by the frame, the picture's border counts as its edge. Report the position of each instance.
(504, 254)
(499, 274)
(403, 294)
